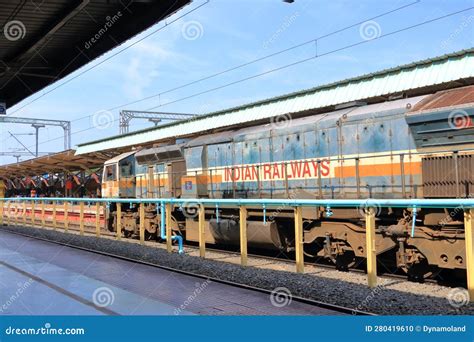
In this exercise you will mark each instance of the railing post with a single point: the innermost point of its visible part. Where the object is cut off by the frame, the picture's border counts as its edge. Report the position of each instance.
(66, 217)
(97, 219)
(119, 220)
(370, 247)
(16, 213)
(469, 237)
(202, 231)
(32, 213)
(299, 239)
(243, 236)
(81, 218)
(2, 203)
(24, 213)
(9, 213)
(168, 227)
(142, 223)
(55, 217)
(43, 219)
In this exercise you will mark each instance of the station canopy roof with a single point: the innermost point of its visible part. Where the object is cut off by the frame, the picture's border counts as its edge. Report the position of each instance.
(44, 41)
(65, 161)
(414, 79)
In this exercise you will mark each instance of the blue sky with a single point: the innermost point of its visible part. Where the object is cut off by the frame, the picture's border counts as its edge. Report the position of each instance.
(226, 33)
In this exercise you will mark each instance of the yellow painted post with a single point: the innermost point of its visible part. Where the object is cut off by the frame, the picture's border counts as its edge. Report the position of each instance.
(299, 239)
(202, 231)
(97, 219)
(169, 247)
(16, 213)
(370, 247)
(32, 213)
(24, 213)
(43, 219)
(243, 236)
(1, 212)
(142, 223)
(55, 218)
(81, 218)
(119, 221)
(9, 213)
(66, 217)
(469, 237)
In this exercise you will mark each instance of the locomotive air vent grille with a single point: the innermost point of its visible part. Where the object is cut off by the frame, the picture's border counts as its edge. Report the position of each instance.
(443, 178)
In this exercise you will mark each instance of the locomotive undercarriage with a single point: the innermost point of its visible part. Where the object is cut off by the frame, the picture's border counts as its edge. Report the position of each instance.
(340, 238)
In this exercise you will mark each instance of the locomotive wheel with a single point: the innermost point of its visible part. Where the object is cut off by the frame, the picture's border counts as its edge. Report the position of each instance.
(345, 260)
(418, 268)
(149, 236)
(421, 270)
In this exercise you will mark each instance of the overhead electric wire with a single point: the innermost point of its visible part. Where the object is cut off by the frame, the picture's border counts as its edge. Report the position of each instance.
(246, 63)
(294, 63)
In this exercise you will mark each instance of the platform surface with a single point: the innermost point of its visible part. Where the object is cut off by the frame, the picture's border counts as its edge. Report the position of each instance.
(43, 278)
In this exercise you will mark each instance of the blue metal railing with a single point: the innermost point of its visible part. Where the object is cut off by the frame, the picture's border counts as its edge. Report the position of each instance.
(463, 203)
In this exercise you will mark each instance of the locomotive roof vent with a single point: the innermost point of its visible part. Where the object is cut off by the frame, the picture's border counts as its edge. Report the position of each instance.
(350, 104)
(159, 154)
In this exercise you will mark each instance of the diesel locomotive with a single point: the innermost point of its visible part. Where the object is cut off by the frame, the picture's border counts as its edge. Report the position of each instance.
(417, 147)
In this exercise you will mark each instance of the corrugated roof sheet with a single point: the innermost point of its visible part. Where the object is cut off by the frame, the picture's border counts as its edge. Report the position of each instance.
(426, 73)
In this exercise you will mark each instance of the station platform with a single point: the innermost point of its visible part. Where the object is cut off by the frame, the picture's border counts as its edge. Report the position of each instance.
(43, 278)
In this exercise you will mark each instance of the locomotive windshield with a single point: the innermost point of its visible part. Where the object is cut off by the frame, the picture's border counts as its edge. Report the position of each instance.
(110, 172)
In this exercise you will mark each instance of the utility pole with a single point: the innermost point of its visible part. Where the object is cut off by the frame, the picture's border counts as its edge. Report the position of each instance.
(37, 127)
(65, 125)
(155, 117)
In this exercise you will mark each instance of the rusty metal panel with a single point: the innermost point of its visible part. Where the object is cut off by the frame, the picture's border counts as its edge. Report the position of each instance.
(442, 178)
(448, 98)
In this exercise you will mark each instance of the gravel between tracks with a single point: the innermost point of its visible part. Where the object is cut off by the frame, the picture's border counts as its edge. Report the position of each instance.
(391, 297)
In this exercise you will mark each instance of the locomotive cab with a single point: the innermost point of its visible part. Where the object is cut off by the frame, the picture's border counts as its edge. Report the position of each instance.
(118, 179)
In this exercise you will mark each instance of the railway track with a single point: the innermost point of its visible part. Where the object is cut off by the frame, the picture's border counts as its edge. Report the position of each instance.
(290, 261)
(328, 306)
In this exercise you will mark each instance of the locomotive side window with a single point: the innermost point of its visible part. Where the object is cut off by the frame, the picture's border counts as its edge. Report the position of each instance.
(111, 172)
(126, 169)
